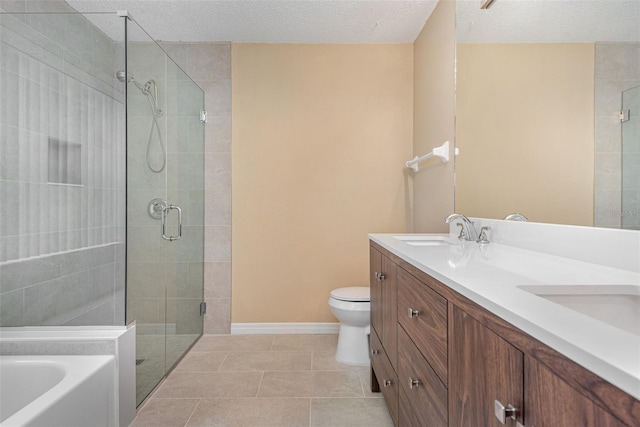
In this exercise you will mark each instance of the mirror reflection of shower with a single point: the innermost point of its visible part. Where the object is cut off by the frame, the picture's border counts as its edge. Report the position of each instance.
(630, 164)
(150, 90)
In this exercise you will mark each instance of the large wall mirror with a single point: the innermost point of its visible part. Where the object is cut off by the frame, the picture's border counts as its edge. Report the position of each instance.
(548, 111)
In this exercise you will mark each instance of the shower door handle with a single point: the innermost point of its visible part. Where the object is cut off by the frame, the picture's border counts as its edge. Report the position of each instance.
(165, 213)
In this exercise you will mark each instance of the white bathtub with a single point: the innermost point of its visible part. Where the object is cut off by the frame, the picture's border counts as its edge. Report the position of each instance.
(50, 391)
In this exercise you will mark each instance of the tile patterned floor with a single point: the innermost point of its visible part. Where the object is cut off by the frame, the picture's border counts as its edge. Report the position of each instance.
(264, 380)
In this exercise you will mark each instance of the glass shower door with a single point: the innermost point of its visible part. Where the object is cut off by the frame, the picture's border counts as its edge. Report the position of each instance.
(184, 258)
(165, 208)
(631, 159)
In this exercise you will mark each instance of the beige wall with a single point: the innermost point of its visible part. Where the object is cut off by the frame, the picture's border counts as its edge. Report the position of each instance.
(433, 118)
(525, 129)
(320, 134)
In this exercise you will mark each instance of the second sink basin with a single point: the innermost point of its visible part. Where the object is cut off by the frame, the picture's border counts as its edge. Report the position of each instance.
(616, 305)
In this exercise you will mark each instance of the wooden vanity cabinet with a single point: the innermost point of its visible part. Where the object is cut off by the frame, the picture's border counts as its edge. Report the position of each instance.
(414, 338)
(425, 393)
(549, 401)
(384, 324)
(375, 289)
(422, 313)
(486, 368)
(483, 368)
(384, 306)
(465, 358)
(384, 377)
(407, 416)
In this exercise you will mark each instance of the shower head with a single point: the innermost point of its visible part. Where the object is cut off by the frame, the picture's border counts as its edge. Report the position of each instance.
(124, 77)
(149, 89)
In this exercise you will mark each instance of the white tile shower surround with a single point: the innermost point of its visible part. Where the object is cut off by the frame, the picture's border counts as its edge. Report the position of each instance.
(61, 257)
(77, 287)
(264, 380)
(55, 83)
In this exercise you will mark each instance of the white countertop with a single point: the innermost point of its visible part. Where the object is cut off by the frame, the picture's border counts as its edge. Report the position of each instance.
(491, 276)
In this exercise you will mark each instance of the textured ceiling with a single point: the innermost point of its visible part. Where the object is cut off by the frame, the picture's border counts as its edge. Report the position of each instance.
(372, 21)
(274, 21)
(548, 21)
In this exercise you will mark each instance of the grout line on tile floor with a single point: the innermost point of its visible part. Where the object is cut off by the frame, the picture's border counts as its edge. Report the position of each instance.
(193, 412)
(364, 393)
(167, 398)
(259, 385)
(339, 397)
(273, 342)
(223, 360)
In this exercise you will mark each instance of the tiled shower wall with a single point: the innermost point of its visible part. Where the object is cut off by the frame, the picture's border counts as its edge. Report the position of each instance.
(617, 69)
(209, 65)
(61, 243)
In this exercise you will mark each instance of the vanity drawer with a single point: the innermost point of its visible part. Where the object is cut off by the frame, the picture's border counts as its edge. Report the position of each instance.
(386, 376)
(423, 389)
(376, 351)
(407, 417)
(423, 315)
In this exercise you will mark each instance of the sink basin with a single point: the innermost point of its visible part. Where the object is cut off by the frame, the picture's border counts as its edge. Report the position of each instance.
(424, 239)
(616, 305)
(428, 243)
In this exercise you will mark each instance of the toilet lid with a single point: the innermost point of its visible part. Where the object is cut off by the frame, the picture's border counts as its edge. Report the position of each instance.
(356, 293)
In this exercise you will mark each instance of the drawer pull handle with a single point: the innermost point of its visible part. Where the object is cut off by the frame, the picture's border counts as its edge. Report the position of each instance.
(502, 413)
(387, 383)
(413, 383)
(413, 313)
(374, 352)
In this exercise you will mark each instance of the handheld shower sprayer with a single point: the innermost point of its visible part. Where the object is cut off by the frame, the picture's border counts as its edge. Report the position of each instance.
(150, 90)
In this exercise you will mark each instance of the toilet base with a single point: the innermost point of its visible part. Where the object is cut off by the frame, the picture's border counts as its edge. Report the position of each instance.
(353, 345)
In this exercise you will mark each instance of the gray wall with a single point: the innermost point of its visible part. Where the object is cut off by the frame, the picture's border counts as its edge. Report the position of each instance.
(61, 239)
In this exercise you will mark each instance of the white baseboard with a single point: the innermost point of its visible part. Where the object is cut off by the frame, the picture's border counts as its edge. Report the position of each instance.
(284, 328)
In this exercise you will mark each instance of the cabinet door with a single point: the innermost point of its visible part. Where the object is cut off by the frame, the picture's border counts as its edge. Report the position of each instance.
(390, 310)
(375, 268)
(551, 402)
(483, 368)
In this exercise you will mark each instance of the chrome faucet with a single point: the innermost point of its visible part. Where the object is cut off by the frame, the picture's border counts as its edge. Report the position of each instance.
(516, 217)
(468, 231)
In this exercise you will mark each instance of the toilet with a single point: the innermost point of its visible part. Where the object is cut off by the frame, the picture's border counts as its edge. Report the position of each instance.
(351, 306)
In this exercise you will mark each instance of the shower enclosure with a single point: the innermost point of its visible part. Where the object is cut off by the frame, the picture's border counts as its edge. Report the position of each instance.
(631, 158)
(165, 207)
(101, 182)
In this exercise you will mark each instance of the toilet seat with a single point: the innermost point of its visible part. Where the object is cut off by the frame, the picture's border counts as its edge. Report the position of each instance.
(353, 294)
